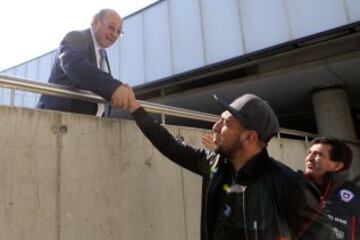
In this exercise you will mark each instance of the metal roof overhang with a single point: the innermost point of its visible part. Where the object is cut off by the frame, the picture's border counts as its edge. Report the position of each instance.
(285, 74)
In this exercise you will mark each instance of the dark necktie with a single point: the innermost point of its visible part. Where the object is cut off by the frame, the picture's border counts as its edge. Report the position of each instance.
(102, 108)
(102, 61)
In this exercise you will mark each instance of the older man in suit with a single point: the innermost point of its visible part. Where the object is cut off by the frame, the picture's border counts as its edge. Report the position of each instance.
(81, 62)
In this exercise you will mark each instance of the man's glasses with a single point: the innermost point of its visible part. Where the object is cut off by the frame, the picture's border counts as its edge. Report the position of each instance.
(112, 28)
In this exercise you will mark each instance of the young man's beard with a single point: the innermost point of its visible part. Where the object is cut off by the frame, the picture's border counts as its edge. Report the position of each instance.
(235, 147)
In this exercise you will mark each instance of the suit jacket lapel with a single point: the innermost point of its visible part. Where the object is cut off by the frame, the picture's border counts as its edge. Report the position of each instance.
(91, 48)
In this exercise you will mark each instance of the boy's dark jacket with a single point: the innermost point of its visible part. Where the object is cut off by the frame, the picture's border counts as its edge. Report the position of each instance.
(340, 200)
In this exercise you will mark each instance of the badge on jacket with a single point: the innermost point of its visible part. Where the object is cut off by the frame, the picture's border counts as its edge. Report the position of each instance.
(346, 195)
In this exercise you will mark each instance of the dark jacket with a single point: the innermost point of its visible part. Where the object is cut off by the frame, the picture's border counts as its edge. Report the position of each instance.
(341, 203)
(265, 200)
(75, 66)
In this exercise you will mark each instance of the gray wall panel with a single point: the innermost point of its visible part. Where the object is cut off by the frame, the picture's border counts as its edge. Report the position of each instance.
(45, 67)
(19, 95)
(29, 100)
(114, 60)
(32, 73)
(32, 69)
(264, 22)
(19, 98)
(5, 99)
(53, 55)
(11, 71)
(158, 59)
(21, 70)
(354, 10)
(186, 33)
(5, 92)
(222, 36)
(132, 53)
(309, 16)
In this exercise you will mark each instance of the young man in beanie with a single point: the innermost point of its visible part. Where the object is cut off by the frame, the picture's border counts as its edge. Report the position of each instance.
(327, 165)
(246, 194)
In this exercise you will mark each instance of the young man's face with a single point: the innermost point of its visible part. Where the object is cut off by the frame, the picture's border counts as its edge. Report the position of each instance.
(227, 132)
(318, 162)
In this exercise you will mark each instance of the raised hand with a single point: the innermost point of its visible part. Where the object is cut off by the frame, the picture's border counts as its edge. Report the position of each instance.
(207, 141)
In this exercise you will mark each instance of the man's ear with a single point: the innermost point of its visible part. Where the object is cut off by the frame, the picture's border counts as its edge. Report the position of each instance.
(338, 166)
(252, 136)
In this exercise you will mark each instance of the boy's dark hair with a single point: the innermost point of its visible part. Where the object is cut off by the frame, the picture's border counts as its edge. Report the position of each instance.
(339, 152)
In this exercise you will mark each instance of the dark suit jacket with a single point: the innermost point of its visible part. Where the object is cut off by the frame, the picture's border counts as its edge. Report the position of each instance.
(75, 66)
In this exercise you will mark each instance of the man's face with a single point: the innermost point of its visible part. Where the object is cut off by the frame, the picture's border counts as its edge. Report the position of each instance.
(108, 29)
(318, 162)
(227, 133)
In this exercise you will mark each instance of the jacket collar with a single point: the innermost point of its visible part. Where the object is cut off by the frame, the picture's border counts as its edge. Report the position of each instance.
(253, 169)
(332, 180)
(90, 46)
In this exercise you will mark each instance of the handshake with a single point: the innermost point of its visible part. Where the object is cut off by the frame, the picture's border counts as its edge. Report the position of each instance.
(124, 97)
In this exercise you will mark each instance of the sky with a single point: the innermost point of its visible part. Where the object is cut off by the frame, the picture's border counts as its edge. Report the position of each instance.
(30, 28)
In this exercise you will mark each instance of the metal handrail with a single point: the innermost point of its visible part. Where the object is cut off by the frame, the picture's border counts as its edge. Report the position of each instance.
(297, 133)
(23, 84)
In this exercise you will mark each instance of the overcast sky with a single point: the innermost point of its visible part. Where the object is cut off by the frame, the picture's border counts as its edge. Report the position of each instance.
(30, 28)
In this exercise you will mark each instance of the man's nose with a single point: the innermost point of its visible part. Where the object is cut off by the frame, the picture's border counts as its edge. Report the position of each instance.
(310, 157)
(215, 126)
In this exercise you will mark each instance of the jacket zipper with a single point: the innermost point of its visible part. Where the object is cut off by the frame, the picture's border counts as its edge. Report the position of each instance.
(255, 225)
(212, 172)
(325, 195)
(206, 209)
(245, 224)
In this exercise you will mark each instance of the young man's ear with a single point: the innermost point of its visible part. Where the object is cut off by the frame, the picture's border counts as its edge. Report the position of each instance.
(338, 166)
(252, 136)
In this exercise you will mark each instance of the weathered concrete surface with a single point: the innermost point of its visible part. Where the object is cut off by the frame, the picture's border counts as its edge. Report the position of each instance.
(28, 175)
(114, 185)
(333, 113)
(70, 177)
(290, 152)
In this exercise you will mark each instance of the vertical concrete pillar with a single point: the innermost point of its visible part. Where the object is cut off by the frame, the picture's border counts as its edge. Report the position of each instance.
(333, 118)
(332, 112)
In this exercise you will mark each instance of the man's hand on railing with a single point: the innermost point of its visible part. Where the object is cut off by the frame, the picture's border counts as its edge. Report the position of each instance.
(120, 96)
(124, 97)
(133, 103)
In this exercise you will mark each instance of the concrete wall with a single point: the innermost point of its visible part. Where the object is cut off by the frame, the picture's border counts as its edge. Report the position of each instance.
(66, 176)
(290, 152)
